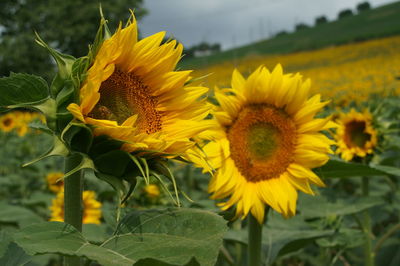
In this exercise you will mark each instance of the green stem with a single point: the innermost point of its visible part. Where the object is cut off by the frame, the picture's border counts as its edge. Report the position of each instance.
(73, 189)
(255, 240)
(368, 252)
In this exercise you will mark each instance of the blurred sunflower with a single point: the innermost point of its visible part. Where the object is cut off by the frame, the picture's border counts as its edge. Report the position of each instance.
(55, 181)
(266, 141)
(133, 94)
(355, 135)
(152, 191)
(7, 122)
(91, 208)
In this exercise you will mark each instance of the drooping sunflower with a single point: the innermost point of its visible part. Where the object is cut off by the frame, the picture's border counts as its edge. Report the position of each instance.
(266, 142)
(91, 208)
(55, 182)
(355, 135)
(133, 94)
(7, 122)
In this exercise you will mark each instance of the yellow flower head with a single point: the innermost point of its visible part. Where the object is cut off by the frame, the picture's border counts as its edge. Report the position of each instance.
(133, 94)
(55, 181)
(91, 208)
(355, 135)
(152, 191)
(7, 122)
(266, 141)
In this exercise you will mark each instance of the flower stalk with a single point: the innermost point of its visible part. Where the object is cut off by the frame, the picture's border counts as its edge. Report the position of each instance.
(73, 189)
(368, 252)
(254, 245)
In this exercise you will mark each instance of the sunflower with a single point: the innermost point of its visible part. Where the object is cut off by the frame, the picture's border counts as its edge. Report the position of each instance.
(91, 208)
(266, 141)
(133, 94)
(55, 181)
(152, 191)
(7, 122)
(355, 135)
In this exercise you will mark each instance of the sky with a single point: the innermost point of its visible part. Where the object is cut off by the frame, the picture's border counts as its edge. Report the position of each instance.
(235, 23)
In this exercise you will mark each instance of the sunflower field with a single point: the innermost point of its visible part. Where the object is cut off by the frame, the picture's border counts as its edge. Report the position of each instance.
(126, 158)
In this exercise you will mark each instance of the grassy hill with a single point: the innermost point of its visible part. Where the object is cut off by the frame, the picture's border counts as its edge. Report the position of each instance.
(375, 23)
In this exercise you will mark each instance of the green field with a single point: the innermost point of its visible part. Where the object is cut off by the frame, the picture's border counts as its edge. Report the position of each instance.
(375, 23)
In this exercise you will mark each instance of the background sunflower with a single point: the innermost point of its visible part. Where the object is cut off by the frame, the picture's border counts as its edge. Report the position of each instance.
(266, 142)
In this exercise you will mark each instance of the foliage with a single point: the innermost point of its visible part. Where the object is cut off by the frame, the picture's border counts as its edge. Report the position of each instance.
(364, 6)
(20, 19)
(345, 13)
(321, 20)
(301, 26)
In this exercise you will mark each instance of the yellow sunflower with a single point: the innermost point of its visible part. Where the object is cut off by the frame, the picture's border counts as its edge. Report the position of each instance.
(133, 94)
(355, 135)
(152, 191)
(266, 142)
(91, 208)
(7, 122)
(55, 181)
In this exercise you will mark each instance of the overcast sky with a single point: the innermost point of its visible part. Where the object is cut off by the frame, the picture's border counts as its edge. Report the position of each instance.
(236, 22)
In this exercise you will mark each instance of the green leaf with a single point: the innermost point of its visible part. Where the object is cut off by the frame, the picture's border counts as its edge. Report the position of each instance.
(339, 168)
(154, 262)
(18, 215)
(345, 237)
(173, 236)
(281, 236)
(95, 233)
(390, 170)
(64, 64)
(14, 256)
(58, 149)
(314, 207)
(85, 163)
(79, 69)
(64, 239)
(113, 163)
(22, 90)
(115, 182)
(78, 136)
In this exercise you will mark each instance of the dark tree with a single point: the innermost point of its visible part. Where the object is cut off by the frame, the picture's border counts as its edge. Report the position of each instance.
(321, 20)
(281, 33)
(69, 26)
(345, 13)
(301, 26)
(363, 7)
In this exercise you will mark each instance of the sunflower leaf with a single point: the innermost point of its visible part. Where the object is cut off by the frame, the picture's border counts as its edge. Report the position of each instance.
(78, 137)
(64, 239)
(14, 255)
(281, 236)
(64, 64)
(22, 90)
(339, 168)
(173, 236)
(85, 163)
(58, 149)
(18, 215)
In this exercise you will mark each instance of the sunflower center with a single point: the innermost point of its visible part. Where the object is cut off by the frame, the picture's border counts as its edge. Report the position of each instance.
(355, 134)
(262, 142)
(7, 122)
(123, 95)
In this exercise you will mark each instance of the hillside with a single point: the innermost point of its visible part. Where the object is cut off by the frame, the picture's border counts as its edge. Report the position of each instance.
(375, 23)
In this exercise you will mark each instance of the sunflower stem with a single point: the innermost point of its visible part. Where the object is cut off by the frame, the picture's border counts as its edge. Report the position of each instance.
(254, 245)
(368, 252)
(73, 188)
